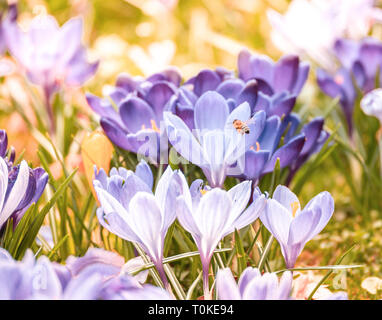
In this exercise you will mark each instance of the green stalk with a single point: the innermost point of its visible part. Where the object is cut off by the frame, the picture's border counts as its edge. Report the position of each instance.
(264, 256)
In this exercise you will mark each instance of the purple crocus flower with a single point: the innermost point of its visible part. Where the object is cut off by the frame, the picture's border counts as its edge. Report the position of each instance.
(292, 226)
(20, 186)
(361, 60)
(52, 56)
(278, 83)
(214, 215)
(340, 85)
(262, 154)
(133, 212)
(135, 123)
(253, 285)
(296, 148)
(215, 145)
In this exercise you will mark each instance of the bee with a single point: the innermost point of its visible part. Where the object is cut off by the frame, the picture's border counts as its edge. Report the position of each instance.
(241, 126)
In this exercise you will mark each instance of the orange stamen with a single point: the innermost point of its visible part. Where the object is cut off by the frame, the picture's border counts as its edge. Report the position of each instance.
(203, 191)
(154, 126)
(295, 206)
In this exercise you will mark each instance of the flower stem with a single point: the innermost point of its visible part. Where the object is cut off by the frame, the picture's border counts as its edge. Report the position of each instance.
(162, 275)
(49, 109)
(206, 285)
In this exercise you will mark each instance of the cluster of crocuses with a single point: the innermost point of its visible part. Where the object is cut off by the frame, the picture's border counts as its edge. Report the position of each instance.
(225, 124)
(197, 117)
(131, 210)
(102, 275)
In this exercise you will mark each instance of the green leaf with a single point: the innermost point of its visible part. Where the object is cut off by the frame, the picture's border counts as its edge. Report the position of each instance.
(240, 254)
(37, 222)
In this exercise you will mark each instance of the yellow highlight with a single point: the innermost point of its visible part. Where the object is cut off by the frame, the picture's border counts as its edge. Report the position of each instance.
(295, 206)
(203, 192)
(154, 126)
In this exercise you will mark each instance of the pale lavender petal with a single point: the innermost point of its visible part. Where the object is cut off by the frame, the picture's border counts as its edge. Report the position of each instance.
(144, 172)
(146, 220)
(211, 111)
(226, 285)
(286, 198)
(277, 220)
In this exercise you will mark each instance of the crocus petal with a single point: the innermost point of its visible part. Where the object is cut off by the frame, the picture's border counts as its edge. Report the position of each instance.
(158, 95)
(286, 154)
(285, 285)
(70, 39)
(211, 217)
(240, 195)
(144, 172)
(302, 76)
(262, 67)
(3, 182)
(166, 193)
(206, 80)
(183, 140)
(115, 134)
(136, 114)
(285, 73)
(247, 275)
(185, 217)
(302, 227)
(268, 140)
(103, 107)
(243, 63)
(277, 220)
(286, 198)
(45, 280)
(312, 131)
(214, 151)
(115, 224)
(249, 94)
(17, 192)
(230, 88)
(254, 163)
(3, 143)
(323, 202)
(226, 285)
(146, 219)
(346, 50)
(251, 213)
(211, 112)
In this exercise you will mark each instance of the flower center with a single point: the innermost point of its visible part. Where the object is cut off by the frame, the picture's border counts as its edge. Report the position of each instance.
(295, 205)
(203, 191)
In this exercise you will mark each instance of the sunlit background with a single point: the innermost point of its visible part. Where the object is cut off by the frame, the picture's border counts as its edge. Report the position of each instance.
(141, 37)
